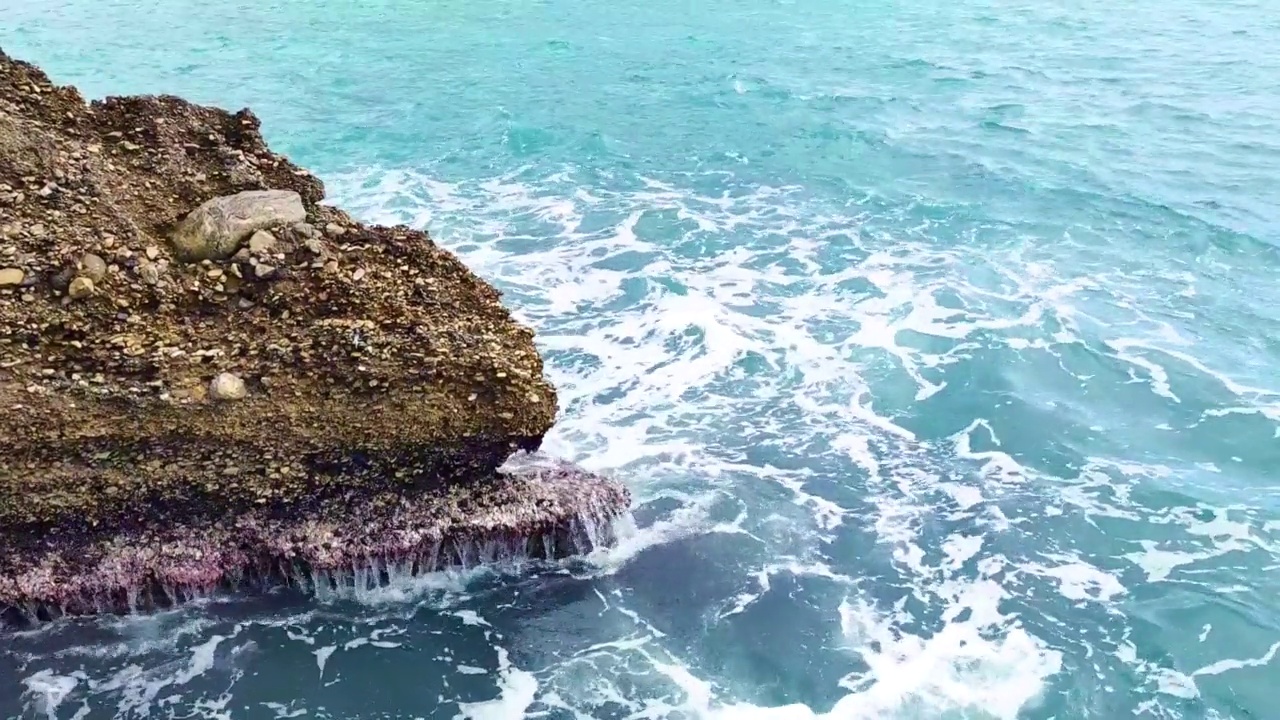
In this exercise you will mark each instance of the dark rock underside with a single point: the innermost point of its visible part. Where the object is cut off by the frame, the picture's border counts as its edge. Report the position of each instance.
(534, 512)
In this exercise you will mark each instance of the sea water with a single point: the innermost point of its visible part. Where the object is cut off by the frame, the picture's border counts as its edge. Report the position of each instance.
(939, 342)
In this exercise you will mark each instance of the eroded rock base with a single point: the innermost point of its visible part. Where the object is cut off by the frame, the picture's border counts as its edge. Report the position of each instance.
(529, 513)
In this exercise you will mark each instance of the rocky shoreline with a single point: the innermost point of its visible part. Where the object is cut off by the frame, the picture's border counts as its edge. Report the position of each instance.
(206, 375)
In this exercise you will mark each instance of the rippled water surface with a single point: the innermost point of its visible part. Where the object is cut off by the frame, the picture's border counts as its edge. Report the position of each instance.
(939, 342)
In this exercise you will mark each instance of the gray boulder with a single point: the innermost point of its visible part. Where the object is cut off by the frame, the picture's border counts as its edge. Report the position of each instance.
(215, 230)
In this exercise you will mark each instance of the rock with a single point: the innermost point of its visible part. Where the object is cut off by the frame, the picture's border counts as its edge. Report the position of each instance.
(11, 277)
(215, 230)
(91, 266)
(149, 273)
(262, 243)
(63, 278)
(81, 287)
(120, 446)
(334, 230)
(227, 386)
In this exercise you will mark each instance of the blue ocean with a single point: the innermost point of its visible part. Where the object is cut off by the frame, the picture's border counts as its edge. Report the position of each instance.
(939, 343)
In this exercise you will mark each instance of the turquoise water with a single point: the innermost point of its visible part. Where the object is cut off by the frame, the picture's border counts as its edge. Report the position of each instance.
(938, 342)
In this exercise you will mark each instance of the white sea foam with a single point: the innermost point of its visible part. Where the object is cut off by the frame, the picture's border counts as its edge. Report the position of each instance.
(984, 661)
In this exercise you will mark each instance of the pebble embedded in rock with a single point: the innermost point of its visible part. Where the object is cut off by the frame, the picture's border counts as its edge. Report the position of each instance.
(81, 287)
(63, 278)
(11, 277)
(227, 386)
(149, 273)
(262, 242)
(92, 267)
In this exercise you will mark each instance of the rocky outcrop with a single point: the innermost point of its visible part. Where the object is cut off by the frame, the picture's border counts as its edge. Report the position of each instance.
(197, 357)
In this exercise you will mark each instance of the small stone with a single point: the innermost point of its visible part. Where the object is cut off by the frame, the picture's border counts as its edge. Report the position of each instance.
(63, 278)
(262, 242)
(334, 230)
(358, 275)
(149, 273)
(227, 386)
(152, 252)
(263, 271)
(305, 230)
(11, 277)
(81, 287)
(314, 245)
(214, 273)
(91, 266)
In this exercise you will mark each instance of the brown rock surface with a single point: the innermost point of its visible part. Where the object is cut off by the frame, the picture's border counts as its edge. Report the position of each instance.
(372, 358)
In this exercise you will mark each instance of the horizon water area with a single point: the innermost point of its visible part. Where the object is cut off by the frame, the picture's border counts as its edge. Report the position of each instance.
(938, 342)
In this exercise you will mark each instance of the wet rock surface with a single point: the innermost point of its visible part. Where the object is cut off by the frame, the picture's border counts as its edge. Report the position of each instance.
(188, 337)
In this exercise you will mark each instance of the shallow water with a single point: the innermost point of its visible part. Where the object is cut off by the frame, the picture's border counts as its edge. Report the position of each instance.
(938, 342)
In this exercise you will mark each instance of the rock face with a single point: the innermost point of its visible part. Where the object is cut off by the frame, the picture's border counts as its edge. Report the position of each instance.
(156, 260)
